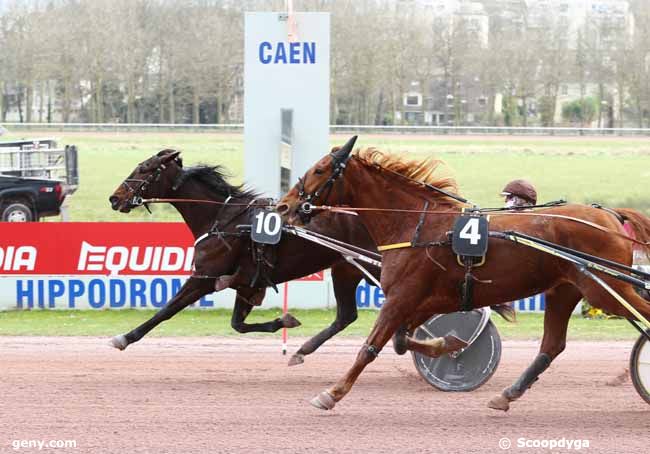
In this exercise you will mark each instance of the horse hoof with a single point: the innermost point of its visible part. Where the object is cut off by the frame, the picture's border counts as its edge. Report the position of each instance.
(453, 344)
(499, 402)
(619, 379)
(119, 342)
(289, 321)
(297, 358)
(324, 401)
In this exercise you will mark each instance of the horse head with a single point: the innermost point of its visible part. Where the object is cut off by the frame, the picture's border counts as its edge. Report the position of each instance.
(152, 178)
(316, 186)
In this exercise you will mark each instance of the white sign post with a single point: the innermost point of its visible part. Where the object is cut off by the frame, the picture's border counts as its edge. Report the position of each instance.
(286, 68)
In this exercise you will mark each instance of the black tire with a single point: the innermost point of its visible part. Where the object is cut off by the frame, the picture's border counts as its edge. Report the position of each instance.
(473, 367)
(640, 367)
(17, 212)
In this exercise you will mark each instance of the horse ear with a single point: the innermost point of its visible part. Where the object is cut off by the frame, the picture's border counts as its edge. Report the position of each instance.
(345, 150)
(169, 156)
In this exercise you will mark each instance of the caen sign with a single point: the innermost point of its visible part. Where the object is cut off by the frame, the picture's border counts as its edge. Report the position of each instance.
(287, 53)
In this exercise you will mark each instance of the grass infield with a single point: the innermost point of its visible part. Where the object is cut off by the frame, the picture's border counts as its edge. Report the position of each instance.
(611, 170)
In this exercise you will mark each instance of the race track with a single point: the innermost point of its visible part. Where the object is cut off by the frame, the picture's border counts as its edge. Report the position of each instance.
(212, 395)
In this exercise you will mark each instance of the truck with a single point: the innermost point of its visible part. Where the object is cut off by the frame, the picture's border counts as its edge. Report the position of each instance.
(36, 176)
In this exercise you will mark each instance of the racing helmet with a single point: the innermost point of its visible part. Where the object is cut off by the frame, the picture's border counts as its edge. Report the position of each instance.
(522, 189)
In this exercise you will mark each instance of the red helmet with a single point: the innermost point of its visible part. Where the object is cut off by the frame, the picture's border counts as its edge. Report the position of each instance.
(522, 189)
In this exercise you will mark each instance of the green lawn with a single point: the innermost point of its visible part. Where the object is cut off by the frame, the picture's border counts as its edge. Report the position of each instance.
(217, 323)
(611, 170)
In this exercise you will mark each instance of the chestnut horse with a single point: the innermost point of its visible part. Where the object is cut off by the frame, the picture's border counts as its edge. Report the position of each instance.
(420, 282)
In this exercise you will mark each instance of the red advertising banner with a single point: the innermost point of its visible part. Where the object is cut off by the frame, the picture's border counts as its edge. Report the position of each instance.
(98, 248)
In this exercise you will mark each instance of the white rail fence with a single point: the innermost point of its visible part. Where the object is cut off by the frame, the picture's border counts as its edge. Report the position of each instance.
(334, 129)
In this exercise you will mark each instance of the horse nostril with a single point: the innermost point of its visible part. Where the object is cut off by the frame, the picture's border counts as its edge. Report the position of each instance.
(282, 208)
(114, 200)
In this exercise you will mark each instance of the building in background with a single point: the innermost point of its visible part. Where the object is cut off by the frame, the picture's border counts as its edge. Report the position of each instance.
(601, 28)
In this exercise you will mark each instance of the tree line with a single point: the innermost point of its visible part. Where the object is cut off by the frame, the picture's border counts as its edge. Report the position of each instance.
(181, 61)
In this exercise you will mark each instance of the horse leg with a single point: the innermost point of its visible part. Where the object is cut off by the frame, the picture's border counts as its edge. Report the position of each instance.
(433, 348)
(560, 302)
(345, 279)
(191, 291)
(388, 321)
(392, 315)
(244, 303)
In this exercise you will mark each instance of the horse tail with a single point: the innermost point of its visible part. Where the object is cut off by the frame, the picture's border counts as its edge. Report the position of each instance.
(640, 224)
(507, 311)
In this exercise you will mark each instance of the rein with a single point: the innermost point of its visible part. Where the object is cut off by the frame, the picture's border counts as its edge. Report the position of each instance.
(349, 210)
(141, 201)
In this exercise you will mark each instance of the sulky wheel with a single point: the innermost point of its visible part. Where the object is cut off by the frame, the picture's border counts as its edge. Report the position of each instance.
(468, 370)
(640, 367)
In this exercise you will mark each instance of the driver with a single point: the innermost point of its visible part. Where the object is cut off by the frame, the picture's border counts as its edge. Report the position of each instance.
(519, 194)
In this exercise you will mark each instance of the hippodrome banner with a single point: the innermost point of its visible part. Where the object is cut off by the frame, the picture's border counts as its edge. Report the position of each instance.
(130, 266)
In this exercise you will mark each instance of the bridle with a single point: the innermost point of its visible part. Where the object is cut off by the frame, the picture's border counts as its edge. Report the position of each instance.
(308, 199)
(135, 196)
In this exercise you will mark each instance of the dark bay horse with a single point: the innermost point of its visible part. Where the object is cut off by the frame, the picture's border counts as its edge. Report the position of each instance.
(420, 282)
(224, 260)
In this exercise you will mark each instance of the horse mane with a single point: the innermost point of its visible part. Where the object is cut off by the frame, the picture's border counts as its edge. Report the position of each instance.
(215, 178)
(424, 171)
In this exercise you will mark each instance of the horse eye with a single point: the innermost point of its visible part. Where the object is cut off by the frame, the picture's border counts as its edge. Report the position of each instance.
(318, 171)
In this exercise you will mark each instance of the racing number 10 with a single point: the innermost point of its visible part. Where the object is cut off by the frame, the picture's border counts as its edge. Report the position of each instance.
(264, 220)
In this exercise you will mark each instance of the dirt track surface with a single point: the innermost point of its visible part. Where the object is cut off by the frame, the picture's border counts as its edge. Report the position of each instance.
(208, 395)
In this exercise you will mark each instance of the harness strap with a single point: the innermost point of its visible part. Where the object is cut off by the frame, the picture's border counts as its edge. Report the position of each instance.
(389, 247)
(214, 202)
(416, 236)
(618, 216)
(456, 213)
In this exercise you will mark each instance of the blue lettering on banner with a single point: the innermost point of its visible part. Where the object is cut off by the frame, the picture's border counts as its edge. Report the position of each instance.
(96, 293)
(76, 291)
(24, 294)
(137, 287)
(298, 53)
(99, 293)
(117, 292)
(55, 289)
(535, 303)
(205, 302)
(369, 296)
(158, 292)
(41, 291)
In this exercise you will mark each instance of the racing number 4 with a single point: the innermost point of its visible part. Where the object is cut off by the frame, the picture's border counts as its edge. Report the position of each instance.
(471, 232)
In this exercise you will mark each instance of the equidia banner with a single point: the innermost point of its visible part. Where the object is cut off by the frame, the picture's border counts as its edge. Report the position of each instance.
(131, 266)
(113, 266)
